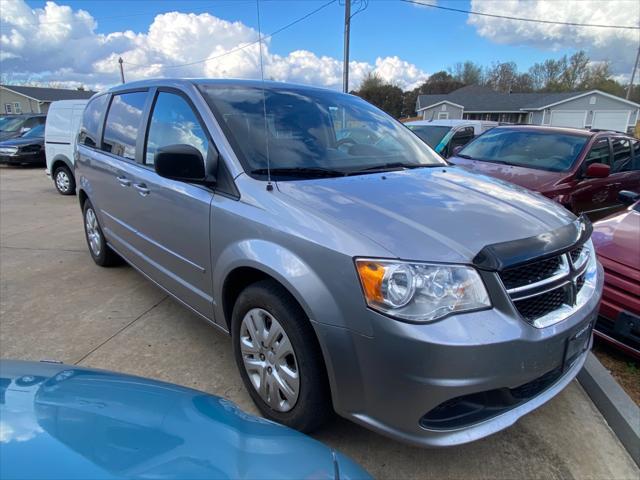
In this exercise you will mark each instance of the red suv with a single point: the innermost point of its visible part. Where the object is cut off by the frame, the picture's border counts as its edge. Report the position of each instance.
(617, 242)
(583, 170)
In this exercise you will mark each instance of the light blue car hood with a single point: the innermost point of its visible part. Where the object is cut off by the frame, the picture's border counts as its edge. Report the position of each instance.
(445, 214)
(59, 421)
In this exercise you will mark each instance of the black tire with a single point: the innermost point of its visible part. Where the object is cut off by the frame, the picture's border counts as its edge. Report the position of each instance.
(105, 256)
(64, 180)
(313, 407)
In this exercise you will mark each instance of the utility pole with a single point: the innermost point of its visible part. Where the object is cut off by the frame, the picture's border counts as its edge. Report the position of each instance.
(633, 74)
(121, 69)
(347, 25)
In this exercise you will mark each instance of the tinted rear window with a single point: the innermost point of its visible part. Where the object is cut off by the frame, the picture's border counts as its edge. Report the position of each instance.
(552, 151)
(123, 123)
(91, 121)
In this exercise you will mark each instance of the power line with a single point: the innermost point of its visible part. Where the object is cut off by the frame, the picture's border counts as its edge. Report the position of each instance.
(242, 47)
(520, 19)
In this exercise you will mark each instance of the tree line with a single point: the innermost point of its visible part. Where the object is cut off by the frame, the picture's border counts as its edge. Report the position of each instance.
(566, 74)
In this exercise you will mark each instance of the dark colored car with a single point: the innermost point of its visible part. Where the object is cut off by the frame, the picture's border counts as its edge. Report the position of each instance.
(12, 126)
(67, 422)
(617, 243)
(582, 170)
(25, 150)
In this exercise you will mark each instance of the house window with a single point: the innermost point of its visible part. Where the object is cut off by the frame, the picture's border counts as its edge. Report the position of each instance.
(17, 108)
(443, 115)
(8, 108)
(443, 108)
(592, 100)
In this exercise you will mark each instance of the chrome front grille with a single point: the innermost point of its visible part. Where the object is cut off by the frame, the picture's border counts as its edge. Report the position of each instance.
(546, 291)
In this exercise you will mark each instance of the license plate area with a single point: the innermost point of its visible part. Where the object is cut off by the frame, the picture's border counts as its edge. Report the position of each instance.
(576, 345)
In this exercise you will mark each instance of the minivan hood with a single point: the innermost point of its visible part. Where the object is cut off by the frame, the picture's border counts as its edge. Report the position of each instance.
(430, 214)
(531, 178)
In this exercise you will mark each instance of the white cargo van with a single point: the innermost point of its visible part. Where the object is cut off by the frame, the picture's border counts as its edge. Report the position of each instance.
(61, 130)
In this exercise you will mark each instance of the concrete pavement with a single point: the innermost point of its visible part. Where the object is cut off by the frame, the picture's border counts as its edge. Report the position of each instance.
(55, 303)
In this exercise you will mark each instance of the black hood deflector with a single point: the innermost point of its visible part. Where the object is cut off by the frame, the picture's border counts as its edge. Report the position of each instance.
(550, 244)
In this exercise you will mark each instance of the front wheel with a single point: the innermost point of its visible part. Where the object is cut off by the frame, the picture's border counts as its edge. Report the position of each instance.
(64, 181)
(279, 358)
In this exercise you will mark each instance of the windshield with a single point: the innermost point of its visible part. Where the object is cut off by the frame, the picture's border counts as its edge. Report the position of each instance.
(552, 151)
(9, 124)
(35, 132)
(431, 134)
(310, 131)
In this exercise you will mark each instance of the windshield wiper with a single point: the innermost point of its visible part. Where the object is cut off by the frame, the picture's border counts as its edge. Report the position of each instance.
(463, 155)
(308, 172)
(386, 167)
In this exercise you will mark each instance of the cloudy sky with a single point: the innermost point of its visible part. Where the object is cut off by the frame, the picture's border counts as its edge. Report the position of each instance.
(79, 42)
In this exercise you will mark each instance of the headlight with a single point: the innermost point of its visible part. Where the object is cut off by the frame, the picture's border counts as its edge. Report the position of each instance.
(9, 150)
(420, 292)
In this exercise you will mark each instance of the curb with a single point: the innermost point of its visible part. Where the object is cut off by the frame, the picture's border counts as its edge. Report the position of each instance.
(620, 412)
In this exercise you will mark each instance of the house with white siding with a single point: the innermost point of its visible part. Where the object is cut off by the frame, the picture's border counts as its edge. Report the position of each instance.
(16, 99)
(592, 109)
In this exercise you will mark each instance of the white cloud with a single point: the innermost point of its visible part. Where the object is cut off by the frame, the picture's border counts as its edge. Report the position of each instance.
(616, 45)
(57, 43)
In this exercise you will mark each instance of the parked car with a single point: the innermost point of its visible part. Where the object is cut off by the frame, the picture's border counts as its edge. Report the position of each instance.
(617, 243)
(417, 299)
(64, 421)
(445, 135)
(582, 170)
(12, 126)
(61, 132)
(27, 149)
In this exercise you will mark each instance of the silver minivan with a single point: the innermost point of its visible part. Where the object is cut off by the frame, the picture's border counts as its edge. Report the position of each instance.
(359, 274)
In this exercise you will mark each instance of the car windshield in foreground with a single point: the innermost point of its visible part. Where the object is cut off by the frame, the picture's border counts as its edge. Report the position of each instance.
(538, 149)
(432, 135)
(34, 132)
(312, 133)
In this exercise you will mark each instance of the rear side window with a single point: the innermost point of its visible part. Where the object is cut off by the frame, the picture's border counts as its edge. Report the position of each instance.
(123, 124)
(174, 122)
(91, 121)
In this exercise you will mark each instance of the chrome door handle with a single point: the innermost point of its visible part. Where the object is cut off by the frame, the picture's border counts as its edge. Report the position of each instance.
(141, 188)
(124, 181)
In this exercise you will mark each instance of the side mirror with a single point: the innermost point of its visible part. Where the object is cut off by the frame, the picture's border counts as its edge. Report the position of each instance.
(24, 129)
(456, 150)
(180, 162)
(598, 170)
(627, 197)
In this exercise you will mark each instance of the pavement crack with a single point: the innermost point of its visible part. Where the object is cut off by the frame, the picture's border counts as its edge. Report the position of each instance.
(121, 330)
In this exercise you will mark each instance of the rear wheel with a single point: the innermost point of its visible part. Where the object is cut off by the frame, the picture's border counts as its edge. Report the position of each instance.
(101, 253)
(279, 358)
(64, 181)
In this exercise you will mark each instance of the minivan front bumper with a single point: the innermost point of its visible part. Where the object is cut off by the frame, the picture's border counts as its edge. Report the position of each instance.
(405, 375)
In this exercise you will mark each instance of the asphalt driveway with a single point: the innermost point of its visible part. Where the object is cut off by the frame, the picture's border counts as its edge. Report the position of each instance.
(55, 303)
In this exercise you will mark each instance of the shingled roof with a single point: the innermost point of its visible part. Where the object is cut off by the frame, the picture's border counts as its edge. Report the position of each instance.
(475, 98)
(45, 94)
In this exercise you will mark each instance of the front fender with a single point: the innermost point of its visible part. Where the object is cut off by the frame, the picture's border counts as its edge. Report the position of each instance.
(287, 268)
